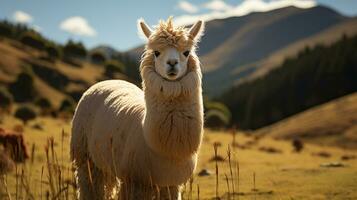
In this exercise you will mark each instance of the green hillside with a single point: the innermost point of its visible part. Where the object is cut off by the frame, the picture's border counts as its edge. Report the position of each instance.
(34, 68)
(313, 77)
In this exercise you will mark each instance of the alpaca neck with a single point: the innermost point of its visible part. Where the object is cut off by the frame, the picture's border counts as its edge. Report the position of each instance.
(173, 122)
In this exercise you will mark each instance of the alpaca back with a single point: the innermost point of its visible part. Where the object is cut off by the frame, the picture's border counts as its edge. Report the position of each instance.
(108, 117)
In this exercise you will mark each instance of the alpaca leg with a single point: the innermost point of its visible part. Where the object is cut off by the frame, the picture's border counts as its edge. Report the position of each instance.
(170, 193)
(90, 182)
(111, 187)
(134, 191)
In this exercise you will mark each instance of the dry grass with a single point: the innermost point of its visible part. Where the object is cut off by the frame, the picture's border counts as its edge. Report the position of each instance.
(332, 123)
(16, 58)
(244, 174)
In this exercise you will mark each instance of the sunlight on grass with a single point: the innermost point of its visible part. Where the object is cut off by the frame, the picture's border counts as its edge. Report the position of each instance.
(239, 169)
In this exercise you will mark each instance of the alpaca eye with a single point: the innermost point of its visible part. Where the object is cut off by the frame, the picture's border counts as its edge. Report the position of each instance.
(186, 53)
(156, 53)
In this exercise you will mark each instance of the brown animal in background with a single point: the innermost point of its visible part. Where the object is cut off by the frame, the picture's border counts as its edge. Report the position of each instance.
(298, 145)
(14, 145)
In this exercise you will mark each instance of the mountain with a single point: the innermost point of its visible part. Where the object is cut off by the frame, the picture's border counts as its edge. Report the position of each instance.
(327, 37)
(241, 49)
(333, 123)
(315, 76)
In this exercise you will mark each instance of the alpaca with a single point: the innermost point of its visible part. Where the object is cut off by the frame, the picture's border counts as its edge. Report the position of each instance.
(148, 139)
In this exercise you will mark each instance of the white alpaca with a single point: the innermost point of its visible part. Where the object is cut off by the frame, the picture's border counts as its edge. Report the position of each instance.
(147, 139)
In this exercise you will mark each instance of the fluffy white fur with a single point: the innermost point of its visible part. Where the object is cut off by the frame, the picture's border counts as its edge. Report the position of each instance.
(144, 138)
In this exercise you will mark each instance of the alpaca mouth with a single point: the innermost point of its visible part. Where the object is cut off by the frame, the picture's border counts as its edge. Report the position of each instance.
(172, 74)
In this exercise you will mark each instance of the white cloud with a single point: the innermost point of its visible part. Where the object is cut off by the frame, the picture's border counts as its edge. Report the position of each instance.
(22, 17)
(187, 7)
(37, 28)
(244, 8)
(78, 26)
(217, 5)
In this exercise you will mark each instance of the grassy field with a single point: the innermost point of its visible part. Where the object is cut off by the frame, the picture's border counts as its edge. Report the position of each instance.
(251, 173)
(333, 123)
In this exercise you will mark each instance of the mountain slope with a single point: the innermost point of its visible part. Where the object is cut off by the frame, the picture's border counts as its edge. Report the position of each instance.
(261, 35)
(315, 76)
(327, 37)
(54, 80)
(258, 34)
(234, 48)
(332, 123)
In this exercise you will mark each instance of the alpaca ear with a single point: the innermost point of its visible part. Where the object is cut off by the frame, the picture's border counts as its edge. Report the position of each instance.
(196, 31)
(143, 28)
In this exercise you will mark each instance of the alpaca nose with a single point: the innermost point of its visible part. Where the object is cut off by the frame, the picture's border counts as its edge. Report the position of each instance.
(172, 62)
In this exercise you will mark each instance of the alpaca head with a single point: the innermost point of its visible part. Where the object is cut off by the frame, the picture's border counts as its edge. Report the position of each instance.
(170, 50)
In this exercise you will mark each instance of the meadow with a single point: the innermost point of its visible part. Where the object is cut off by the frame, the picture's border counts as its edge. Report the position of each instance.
(296, 90)
(233, 165)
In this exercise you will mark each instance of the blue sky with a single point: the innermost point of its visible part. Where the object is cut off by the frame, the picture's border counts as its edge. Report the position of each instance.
(113, 22)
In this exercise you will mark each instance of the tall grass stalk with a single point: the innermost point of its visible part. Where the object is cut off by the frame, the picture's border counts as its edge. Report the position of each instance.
(228, 192)
(230, 169)
(215, 146)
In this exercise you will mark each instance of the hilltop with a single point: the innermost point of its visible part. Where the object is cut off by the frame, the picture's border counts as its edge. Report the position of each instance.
(252, 45)
(331, 124)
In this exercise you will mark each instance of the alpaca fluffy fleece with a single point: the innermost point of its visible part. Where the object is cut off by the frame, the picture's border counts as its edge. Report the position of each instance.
(149, 136)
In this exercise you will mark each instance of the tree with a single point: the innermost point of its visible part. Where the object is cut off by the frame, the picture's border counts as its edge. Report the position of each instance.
(45, 105)
(23, 88)
(25, 113)
(74, 49)
(67, 105)
(98, 57)
(6, 29)
(33, 39)
(112, 67)
(5, 99)
(53, 51)
(314, 76)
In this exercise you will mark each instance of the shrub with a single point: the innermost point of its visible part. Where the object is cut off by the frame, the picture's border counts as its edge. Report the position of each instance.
(112, 67)
(5, 30)
(53, 51)
(33, 39)
(216, 119)
(217, 114)
(23, 88)
(76, 94)
(67, 105)
(43, 103)
(98, 57)
(25, 113)
(74, 49)
(218, 106)
(51, 76)
(5, 98)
